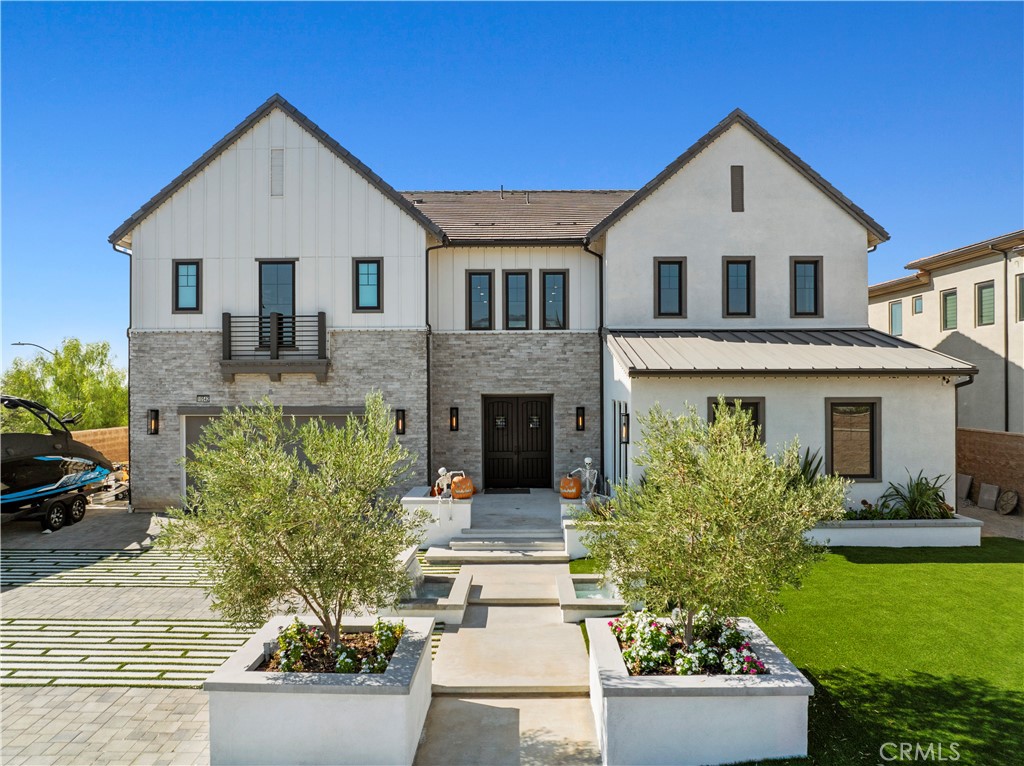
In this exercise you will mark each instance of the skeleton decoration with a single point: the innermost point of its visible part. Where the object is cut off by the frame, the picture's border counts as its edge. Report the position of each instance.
(588, 477)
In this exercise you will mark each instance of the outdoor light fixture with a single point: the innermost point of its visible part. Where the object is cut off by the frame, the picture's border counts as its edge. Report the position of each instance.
(399, 422)
(624, 428)
(581, 418)
(152, 422)
(453, 419)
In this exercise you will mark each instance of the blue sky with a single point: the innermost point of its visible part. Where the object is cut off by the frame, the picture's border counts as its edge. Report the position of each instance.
(912, 110)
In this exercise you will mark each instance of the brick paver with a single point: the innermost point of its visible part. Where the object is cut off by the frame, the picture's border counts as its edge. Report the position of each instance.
(106, 568)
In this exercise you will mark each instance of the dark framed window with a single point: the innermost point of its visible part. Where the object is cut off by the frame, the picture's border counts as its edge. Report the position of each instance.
(517, 300)
(188, 287)
(896, 317)
(737, 287)
(554, 287)
(736, 187)
(917, 304)
(985, 303)
(368, 284)
(805, 286)
(752, 404)
(479, 300)
(277, 296)
(1020, 297)
(853, 438)
(947, 303)
(670, 287)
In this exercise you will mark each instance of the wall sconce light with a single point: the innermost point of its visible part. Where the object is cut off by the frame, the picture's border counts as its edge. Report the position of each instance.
(152, 422)
(453, 419)
(399, 422)
(624, 428)
(581, 418)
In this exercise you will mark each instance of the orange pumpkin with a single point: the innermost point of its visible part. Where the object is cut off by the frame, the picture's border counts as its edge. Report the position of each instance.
(462, 488)
(571, 487)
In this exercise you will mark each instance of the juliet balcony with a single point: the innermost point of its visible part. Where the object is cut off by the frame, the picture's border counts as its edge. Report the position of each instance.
(274, 344)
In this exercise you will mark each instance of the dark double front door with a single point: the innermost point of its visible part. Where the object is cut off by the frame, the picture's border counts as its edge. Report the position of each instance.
(517, 441)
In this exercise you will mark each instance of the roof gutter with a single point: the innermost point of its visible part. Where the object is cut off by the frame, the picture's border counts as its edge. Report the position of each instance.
(426, 317)
(600, 336)
(1006, 336)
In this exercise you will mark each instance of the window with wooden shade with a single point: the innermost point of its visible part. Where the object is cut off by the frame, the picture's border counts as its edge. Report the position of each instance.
(853, 438)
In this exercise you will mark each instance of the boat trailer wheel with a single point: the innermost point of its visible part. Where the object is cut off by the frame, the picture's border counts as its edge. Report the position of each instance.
(55, 515)
(77, 509)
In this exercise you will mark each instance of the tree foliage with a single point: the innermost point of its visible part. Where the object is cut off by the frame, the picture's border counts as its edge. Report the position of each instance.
(288, 518)
(715, 522)
(80, 377)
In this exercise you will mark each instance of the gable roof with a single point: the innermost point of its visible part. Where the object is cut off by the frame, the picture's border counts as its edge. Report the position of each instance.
(277, 101)
(517, 217)
(876, 233)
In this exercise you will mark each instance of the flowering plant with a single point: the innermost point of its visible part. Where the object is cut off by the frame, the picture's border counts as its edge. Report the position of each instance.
(651, 646)
(308, 649)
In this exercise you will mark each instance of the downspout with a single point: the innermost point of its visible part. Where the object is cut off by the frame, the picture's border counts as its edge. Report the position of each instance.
(128, 333)
(1006, 337)
(600, 335)
(426, 317)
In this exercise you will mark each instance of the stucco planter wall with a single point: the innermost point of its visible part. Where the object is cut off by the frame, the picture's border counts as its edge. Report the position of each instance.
(574, 548)
(910, 533)
(448, 517)
(644, 720)
(320, 718)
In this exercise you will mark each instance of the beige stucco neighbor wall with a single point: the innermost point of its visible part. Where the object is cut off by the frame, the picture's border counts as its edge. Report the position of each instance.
(169, 369)
(991, 457)
(112, 442)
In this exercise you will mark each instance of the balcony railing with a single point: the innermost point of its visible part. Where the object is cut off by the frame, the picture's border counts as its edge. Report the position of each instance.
(274, 344)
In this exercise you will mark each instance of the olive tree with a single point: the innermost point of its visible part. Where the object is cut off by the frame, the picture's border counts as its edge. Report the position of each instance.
(715, 522)
(289, 518)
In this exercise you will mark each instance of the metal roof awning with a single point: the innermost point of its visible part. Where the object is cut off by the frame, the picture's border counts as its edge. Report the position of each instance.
(776, 352)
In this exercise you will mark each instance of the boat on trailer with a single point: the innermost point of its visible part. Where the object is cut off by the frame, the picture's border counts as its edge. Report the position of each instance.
(50, 473)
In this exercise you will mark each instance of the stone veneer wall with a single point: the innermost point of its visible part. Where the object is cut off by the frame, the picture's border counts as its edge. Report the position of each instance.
(466, 366)
(169, 368)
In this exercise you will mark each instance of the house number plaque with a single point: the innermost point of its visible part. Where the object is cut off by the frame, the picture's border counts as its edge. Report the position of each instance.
(202, 398)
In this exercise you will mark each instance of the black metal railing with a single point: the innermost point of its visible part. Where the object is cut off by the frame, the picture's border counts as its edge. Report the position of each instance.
(275, 336)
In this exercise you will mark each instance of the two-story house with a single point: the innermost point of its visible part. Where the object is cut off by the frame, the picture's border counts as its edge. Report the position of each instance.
(515, 333)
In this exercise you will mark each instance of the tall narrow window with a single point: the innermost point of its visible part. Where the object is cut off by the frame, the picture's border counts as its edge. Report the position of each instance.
(805, 286)
(736, 187)
(896, 318)
(1020, 297)
(555, 299)
(479, 303)
(367, 284)
(277, 296)
(277, 172)
(853, 438)
(188, 295)
(670, 287)
(918, 304)
(947, 300)
(517, 300)
(738, 287)
(985, 303)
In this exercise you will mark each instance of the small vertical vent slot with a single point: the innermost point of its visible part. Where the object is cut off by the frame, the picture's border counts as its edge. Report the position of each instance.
(277, 172)
(736, 173)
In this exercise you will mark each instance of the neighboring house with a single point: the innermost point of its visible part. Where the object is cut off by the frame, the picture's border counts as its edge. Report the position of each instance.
(968, 303)
(515, 333)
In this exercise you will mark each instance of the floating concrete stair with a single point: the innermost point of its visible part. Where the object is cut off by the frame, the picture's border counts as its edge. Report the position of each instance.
(505, 543)
(438, 556)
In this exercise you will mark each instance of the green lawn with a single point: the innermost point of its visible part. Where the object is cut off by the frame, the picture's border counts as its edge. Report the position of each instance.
(920, 645)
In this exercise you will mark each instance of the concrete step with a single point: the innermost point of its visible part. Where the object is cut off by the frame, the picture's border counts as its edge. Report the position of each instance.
(519, 532)
(512, 690)
(449, 556)
(506, 544)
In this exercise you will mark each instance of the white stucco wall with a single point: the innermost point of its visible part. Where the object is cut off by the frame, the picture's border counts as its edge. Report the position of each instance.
(617, 387)
(917, 417)
(327, 216)
(690, 215)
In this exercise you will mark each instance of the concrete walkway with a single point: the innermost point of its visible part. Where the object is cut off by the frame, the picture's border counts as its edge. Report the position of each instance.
(540, 509)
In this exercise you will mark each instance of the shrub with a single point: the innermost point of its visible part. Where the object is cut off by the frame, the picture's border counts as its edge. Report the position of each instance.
(919, 498)
(308, 649)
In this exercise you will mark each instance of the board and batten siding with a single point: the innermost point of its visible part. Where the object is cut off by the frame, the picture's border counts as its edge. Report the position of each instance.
(449, 265)
(691, 215)
(327, 215)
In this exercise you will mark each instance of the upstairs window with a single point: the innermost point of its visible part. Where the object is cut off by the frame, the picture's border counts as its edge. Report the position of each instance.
(896, 318)
(670, 287)
(947, 301)
(917, 304)
(853, 438)
(517, 300)
(367, 284)
(737, 287)
(479, 303)
(736, 187)
(555, 299)
(277, 172)
(805, 275)
(188, 296)
(985, 303)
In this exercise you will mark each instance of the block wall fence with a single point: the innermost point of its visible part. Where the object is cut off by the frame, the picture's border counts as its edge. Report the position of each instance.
(992, 457)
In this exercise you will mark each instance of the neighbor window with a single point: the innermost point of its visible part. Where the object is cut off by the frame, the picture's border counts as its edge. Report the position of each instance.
(917, 304)
(738, 287)
(806, 286)
(670, 287)
(853, 438)
(367, 284)
(985, 303)
(554, 299)
(517, 300)
(947, 301)
(479, 303)
(1020, 297)
(752, 404)
(896, 318)
(188, 296)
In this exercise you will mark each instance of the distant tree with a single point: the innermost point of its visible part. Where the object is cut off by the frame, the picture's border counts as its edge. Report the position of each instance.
(81, 377)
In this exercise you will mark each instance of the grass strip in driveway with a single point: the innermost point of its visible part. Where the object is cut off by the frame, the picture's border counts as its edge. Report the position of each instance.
(108, 568)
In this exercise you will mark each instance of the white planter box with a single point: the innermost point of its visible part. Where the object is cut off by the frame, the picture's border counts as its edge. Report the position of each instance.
(320, 718)
(910, 533)
(449, 610)
(576, 609)
(449, 517)
(644, 720)
(574, 549)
